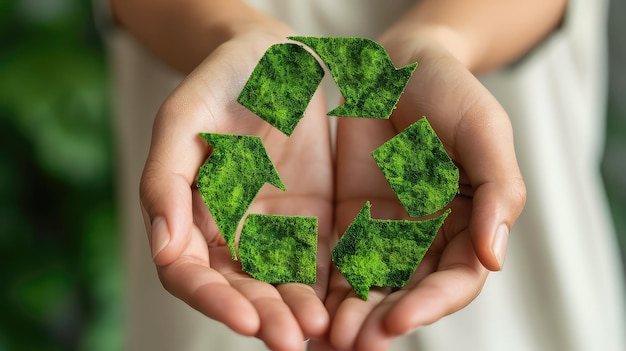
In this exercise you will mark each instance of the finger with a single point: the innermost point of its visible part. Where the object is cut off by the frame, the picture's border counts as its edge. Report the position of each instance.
(176, 153)
(457, 282)
(338, 290)
(213, 297)
(307, 308)
(374, 334)
(191, 279)
(496, 207)
(350, 315)
(486, 151)
(279, 328)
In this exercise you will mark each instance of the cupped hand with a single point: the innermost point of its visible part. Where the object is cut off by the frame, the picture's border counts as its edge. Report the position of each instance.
(191, 257)
(476, 133)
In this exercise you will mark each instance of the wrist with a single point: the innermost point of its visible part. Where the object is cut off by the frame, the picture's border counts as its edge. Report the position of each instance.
(482, 35)
(257, 24)
(407, 45)
(257, 30)
(182, 34)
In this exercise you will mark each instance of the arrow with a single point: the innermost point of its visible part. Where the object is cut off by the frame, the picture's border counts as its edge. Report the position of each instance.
(375, 252)
(418, 169)
(281, 86)
(279, 249)
(231, 178)
(364, 73)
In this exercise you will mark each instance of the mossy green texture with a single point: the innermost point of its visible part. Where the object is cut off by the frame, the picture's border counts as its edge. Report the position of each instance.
(279, 249)
(282, 85)
(418, 169)
(369, 82)
(384, 253)
(231, 178)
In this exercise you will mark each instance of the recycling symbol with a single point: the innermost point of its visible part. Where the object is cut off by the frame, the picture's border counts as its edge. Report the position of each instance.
(282, 249)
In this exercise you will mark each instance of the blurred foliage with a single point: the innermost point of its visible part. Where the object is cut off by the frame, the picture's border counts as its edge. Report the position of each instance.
(614, 162)
(61, 277)
(614, 169)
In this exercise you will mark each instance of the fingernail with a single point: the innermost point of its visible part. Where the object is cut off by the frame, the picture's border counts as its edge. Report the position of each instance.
(160, 236)
(500, 243)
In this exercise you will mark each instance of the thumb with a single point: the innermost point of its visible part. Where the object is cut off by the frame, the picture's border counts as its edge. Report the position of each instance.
(176, 154)
(166, 207)
(496, 206)
(486, 149)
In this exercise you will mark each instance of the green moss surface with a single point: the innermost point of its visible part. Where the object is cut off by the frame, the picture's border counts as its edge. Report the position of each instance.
(385, 253)
(231, 178)
(279, 249)
(282, 85)
(369, 82)
(418, 169)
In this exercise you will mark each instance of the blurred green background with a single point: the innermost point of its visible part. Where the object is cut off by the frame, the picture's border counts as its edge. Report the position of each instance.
(61, 274)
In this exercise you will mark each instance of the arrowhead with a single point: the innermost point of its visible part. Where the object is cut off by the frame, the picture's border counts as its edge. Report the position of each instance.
(282, 85)
(418, 169)
(374, 252)
(231, 178)
(364, 73)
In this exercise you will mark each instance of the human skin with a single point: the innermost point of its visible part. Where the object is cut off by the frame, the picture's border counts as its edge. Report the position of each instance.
(220, 41)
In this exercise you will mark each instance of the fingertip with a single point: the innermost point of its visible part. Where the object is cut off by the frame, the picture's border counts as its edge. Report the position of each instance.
(495, 209)
(160, 236)
(499, 245)
(343, 332)
(351, 315)
(238, 314)
(314, 321)
(491, 251)
(163, 246)
(307, 308)
(394, 322)
(279, 328)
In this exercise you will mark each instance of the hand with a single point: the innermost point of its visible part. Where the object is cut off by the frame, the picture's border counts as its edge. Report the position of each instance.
(477, 134)
(192, 259)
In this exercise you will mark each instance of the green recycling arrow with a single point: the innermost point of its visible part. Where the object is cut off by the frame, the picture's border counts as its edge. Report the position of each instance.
(369, 82)
(375, 252)
(231, 178)
(281, 86)
(418, 169)
(279, 249)
(422, 175)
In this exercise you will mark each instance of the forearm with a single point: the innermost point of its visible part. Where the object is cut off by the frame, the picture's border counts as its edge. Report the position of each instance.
(482, 34)
(183, 32)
